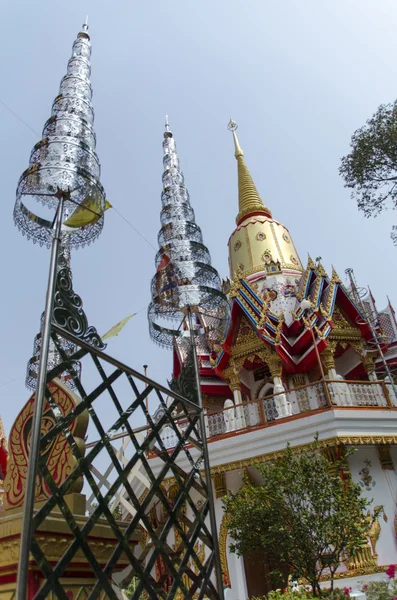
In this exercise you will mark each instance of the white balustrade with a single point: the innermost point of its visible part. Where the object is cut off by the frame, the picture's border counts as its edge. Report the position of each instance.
(244, 416)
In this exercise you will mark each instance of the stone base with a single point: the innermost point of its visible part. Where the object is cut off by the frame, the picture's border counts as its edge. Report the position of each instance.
(54, 537)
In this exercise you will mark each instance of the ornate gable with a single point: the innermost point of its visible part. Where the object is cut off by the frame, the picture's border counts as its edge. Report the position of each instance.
(343, 330)
(247, 340)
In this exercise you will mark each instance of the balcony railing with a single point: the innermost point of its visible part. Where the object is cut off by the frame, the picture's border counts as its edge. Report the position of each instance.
(322, 395)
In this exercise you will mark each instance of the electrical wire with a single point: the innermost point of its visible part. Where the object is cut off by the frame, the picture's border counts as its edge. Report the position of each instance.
(10, 381)
(19, 118)
(134, 228)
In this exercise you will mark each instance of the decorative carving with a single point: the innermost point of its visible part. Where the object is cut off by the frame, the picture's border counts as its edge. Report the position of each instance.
(219, 484)
(368, 362)
(298, 379)
(366, 557)
(335, 441)
(331, 454)
(356, 572)
(335, 455)
(279, 328)
(223, 531)
(335, 277)
(234, 382)
(275, 364)
(327, 357)
(185, 383)
(385, 458)
(69, 313)
(366, 479)
(247, 342)
(342, 329)
(234, 286)
(58, 454)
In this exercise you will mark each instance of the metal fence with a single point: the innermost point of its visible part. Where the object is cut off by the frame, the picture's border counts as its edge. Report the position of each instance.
(145, 526)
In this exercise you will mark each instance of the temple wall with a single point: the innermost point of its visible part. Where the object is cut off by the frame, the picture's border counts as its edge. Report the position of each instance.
(346, 363)
(379, 485)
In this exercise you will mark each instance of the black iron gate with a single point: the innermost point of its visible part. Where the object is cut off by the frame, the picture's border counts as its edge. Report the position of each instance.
(158, 544)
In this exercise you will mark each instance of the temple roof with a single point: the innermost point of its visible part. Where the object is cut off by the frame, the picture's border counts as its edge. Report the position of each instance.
(292, 340)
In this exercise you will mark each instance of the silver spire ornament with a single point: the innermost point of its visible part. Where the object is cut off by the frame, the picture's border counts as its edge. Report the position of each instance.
(65, 162)
(68, 347)
(184, 275)
(63, 176)
(186, 287)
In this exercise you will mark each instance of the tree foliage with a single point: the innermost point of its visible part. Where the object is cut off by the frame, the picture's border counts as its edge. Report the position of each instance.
(301, 516)
(370, 169)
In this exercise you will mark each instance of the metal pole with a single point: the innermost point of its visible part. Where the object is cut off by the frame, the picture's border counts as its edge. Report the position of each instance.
(147, 397)
(207, 470)
(34, 452)
(320, 364)
(368, 320)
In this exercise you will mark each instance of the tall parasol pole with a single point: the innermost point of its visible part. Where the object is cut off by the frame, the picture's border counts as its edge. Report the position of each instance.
(64, 175)
(357, 295)
(207, 469)
(34, 451)
(186, 282)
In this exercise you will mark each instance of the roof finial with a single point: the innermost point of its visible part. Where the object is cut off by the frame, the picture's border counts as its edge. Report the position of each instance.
(232, 126)
(168, 132)
(249, 200)
(85, 25)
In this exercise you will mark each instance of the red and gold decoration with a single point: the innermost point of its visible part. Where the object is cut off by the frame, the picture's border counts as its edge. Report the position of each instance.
(58, 454)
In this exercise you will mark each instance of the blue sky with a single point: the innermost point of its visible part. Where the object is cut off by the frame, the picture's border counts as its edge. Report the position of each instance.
(298, 76)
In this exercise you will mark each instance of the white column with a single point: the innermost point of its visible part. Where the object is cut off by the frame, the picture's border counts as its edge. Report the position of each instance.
(229, 414)
(237, 578)
(281, 401)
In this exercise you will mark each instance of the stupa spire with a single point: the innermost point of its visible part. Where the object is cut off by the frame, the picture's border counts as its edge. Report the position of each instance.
(249, 201)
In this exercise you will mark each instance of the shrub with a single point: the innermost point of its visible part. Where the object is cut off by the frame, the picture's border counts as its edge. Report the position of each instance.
(385, 589)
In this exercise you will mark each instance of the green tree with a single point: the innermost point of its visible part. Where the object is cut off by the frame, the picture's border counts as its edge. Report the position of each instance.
(132, 586)
(301, 517)
(370, 169)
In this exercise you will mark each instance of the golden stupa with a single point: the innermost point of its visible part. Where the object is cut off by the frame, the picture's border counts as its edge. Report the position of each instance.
(259, 244)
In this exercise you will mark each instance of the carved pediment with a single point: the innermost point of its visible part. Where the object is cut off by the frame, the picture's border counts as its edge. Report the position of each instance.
(248, 346)
(246, 340)
(343, 330)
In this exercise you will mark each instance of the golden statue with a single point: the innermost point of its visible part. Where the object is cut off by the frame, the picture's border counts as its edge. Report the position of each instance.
(367, 556)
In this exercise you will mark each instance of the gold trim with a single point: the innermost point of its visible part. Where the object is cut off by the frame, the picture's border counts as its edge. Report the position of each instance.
(223, 531)
(277, 242)
(348, 441)
(249, 249)
(356, 572)
(219, 484)
(385, 458)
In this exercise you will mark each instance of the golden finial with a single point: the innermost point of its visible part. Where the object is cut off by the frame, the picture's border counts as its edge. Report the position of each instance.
(248, 198)
(320, 269)
(232, 126)
(335, 277)
(168, 132)
(310, 262)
